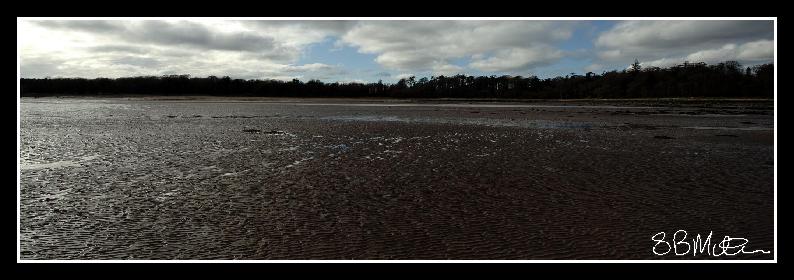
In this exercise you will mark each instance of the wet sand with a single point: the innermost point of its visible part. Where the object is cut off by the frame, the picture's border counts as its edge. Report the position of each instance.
(175, 178)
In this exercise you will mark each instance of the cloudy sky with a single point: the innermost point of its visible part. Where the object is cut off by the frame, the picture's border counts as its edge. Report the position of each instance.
(374, 50)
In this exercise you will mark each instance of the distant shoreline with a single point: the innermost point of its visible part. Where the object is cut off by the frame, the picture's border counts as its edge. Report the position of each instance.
(724, 80)
(386, 99)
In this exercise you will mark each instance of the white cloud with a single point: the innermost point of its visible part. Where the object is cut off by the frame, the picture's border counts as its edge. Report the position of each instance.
(595, 67)
(610, 54)
(752, 52)
(757, 51)
(447, 69)
(666, 43)
(516, 59)
(352, 81)
(200, 48)
(648, 35)
(277, 49)
(431, 45)
(727, 52)
(662, 62)
(404, 76)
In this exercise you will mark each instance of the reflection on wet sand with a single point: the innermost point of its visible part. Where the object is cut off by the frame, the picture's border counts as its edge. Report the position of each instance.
(120, 179)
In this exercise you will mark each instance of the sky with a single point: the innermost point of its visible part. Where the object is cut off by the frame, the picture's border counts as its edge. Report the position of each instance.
(372, 50)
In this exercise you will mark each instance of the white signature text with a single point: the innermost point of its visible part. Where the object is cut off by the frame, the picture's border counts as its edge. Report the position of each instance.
(729, 246)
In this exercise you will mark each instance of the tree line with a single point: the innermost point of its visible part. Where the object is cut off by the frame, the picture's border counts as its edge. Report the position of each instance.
(727, 79)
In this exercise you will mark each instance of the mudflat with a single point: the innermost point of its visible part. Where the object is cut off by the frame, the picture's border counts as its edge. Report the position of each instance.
(268, 178)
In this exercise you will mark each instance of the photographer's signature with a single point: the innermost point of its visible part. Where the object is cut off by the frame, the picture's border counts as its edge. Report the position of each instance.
(729, 246)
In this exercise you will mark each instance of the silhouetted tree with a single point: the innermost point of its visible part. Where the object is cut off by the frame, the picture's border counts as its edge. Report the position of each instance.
(685, 80)
(635, 67)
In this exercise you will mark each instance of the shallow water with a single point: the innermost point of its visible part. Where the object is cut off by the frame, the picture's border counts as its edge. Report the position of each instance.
(730, 128)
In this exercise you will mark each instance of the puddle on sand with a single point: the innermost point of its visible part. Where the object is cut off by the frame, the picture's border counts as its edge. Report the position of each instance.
(543, 124)
(702, 115)
(56, 195)
(234, 173)
(298, 162)
(458, 105)
(165, 196)
(728, 128)
(57, 164)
